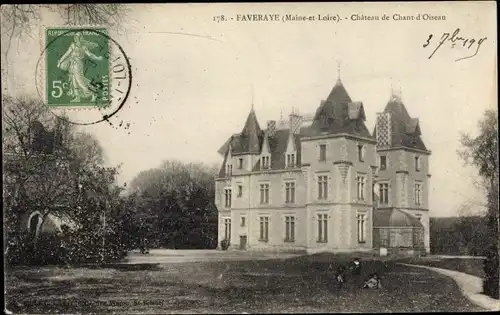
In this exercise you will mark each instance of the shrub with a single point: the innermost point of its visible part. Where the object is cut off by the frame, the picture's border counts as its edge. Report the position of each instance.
(224, 244)
(24, 251)
(73, 247)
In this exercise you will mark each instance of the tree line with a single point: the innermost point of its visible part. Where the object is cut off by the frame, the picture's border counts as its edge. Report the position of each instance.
(481, 152)
(58, 172)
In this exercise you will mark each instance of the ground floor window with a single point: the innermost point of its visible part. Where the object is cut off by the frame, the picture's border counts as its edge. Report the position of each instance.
(322, 228)
(227, 229)
(264, 229)
(361, 218)
(289, 229)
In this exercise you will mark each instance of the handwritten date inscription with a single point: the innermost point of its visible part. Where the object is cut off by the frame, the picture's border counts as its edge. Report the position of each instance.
(470, 44)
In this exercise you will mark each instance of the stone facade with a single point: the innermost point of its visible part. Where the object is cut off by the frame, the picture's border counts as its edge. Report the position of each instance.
(331, 163)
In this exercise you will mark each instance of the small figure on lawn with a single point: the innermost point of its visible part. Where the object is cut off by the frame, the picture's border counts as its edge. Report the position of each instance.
(356, 267)
(340, 276)
(373, 282)
(144, 247)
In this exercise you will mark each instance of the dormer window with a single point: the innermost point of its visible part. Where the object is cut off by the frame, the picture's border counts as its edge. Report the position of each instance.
(265, 162)
(290, 160)
(361, 152)
(229, 170)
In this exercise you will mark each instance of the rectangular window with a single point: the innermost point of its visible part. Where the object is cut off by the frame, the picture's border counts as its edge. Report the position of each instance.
(417, 164)
(290, 192)
(240, 190)
(227, 193)
(322, 152)
(240, 163)
(227, 229)
(384, 193)
(264, 229)
(243, 221)
(322, 187)
(361, 228)
(290, 160)
(289, 229)
(383, 162)
(322, 228)
(418, 193)
(265, 162)
(361, 152)
(264, 193)
(360, 182)
(229, 170)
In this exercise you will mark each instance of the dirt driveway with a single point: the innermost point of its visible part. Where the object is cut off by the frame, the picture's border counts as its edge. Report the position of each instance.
(168, 256)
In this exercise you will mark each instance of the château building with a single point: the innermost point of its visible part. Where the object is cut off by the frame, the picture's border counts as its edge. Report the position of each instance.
(324, 183)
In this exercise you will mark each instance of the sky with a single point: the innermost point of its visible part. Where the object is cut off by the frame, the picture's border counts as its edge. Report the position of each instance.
(194, 80)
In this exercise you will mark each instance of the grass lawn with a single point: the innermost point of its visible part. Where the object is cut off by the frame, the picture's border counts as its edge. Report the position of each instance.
(467, 265)
(298, 284)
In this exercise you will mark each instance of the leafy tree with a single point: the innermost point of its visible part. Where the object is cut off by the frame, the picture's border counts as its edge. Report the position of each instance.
(175, 205)
(482, 152)
(19, 21)
(55, 170)
(35, 160)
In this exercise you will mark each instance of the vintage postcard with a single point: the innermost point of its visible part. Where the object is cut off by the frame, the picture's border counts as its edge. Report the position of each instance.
(250, 157)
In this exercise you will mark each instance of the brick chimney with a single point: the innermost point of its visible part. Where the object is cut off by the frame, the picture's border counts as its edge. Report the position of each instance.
(295, 122)
(271, 128)
(383, 129)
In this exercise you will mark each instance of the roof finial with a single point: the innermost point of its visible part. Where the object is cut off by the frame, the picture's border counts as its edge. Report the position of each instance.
(281, 115)
(395, 93)
(338, 71)
(400, 92)
(252, 96)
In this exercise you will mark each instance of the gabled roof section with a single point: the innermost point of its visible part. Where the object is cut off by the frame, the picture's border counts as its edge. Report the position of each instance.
(278, 145)
(335, 115)
(223, 149)
(291, 144)
(413, 127)
(356, 111)
(405, 131)
(222, 171)
(265, 144)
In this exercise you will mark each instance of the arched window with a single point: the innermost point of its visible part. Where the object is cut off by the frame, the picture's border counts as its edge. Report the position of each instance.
(34, 221)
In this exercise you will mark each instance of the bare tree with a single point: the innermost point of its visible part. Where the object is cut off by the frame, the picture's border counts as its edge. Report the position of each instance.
(20, 20)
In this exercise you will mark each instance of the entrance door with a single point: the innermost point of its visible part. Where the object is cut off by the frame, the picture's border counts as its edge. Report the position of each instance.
(243, 242)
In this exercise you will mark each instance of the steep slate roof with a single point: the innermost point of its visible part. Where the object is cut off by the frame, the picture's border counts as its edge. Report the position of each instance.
(394, 218)
(277, 146)
(222, 171)
(338, 114)
(405, 131)
(250, 139)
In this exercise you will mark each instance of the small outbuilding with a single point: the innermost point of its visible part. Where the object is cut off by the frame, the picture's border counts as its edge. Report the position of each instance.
(396, 229)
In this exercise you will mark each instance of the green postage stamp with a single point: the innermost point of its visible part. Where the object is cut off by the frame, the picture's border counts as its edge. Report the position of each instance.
(77, 67)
